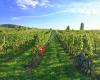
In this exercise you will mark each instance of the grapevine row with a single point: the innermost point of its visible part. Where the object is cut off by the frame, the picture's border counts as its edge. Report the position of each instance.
(80, 48)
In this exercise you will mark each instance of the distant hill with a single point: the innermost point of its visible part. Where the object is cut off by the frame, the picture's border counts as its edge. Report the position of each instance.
(10, 25)
(16, 26)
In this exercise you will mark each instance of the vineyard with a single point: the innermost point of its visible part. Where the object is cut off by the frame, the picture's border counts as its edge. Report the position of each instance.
(36, 54)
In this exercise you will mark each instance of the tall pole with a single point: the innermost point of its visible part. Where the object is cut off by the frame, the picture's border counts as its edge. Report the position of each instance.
(95, 42)
(4, 40)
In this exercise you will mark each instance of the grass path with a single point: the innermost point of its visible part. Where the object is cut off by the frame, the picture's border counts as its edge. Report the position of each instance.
(56, 65)
(13, 69)
(97, 64)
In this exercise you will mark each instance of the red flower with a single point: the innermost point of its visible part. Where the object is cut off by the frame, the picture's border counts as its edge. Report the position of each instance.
(41, 49)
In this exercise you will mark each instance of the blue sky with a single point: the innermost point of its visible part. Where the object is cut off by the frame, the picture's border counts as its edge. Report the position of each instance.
(56, 14)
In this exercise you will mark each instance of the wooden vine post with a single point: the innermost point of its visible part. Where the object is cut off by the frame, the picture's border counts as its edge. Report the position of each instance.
(4, 45)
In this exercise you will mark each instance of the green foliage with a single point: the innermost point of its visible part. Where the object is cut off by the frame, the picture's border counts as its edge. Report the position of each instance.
(68, 28)
(77, 43)
(15, 38)
(82, 26)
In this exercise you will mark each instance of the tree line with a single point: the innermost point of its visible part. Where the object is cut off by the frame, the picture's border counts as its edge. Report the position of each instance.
(81, 26)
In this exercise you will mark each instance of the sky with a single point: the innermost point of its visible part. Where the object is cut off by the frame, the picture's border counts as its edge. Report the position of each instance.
(56, 14)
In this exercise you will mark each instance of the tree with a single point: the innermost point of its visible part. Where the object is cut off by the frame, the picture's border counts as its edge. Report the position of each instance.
(82, 26)
(68, 28)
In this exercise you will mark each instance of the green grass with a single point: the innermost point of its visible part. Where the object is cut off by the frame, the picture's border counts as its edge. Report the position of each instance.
(55, 65)
(97, 57)
(97, 61)
(13, 69)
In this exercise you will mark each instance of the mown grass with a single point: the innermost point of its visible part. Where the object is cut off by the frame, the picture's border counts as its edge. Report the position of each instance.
(55, 65)
(13, 69)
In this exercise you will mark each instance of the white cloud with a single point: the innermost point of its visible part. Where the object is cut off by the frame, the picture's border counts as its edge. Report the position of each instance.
(15, 18)
(92, 25)
(44, 2)
(24, 4)
(89, 8)
(38, 16)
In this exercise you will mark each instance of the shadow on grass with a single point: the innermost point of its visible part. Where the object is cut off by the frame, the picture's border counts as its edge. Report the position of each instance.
(12, 55)
(65, 72)
(54, 66)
